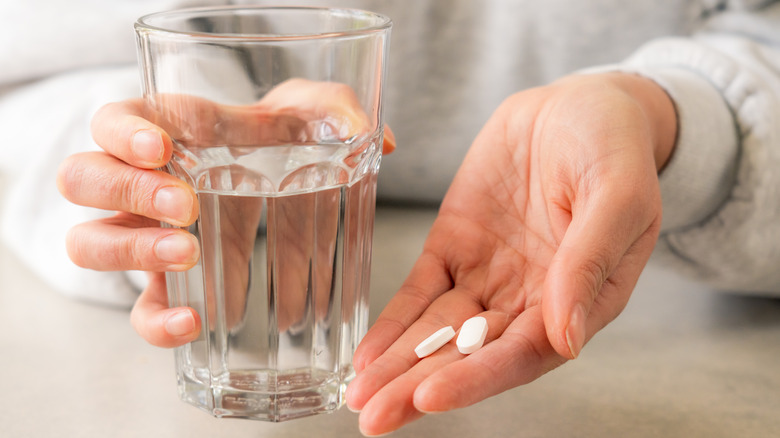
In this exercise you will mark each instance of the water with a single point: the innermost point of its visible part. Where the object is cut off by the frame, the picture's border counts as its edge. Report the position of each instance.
(282, 282)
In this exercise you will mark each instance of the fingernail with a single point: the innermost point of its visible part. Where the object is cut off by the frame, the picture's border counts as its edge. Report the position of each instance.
(175, 248)
(147, 146)
(173, 204)
(180, 323)
(575, 331)
(388, 144)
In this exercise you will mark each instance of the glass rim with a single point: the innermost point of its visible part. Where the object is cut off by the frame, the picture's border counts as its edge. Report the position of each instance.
(144, 23)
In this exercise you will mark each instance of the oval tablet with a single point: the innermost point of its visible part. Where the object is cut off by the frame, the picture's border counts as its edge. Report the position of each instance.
(472, 335)
(434, 341)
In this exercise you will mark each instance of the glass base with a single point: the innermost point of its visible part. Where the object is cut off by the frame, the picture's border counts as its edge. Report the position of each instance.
(262, 395)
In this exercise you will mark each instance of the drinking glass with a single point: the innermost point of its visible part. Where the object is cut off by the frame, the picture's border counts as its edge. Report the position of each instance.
(276, 119)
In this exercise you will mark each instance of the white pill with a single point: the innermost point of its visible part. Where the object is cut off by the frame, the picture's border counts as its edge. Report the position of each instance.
(472, 335)
(434, 342)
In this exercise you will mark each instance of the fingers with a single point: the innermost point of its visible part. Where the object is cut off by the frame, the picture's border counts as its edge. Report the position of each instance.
(331, 103)
(384, 391)
(393, 405)
(427, 280)
(613, 230)
(518, 354)
(159, 325)
(398, 355)
(388, 142)
(121, 130)
(120, 180)
(99, 180)
(124, 242)
(404, 387)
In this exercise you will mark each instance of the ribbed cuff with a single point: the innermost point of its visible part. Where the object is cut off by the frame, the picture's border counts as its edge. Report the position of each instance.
(699, 175)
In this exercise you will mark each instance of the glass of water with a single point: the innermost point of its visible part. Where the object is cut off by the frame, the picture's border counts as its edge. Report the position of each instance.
(276, 116)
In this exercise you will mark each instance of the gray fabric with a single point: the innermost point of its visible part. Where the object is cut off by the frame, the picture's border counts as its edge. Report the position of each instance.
(452, 63)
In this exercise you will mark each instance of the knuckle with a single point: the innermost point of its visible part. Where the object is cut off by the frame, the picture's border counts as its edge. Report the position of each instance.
(105, 245)
(592, 274)
(111, 256)
(136, 250)
(136, 190)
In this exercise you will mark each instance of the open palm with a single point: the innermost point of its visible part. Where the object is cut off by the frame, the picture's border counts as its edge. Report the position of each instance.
(544, 232)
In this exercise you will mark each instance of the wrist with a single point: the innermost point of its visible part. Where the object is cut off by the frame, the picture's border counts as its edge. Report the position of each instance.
(659, 110)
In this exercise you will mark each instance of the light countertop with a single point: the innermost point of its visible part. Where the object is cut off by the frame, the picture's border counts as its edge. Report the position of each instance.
(681, 361)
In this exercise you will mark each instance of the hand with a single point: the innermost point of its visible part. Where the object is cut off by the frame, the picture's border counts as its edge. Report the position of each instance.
(136, 139)
(544, 232)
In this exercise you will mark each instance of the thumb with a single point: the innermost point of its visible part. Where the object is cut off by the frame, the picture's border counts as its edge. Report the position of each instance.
(599, 260)
(159, 325)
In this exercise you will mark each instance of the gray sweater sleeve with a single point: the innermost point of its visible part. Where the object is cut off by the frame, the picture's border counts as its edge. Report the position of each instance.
(721, 187)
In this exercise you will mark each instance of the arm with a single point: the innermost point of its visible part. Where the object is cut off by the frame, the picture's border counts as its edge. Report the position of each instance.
(720, 188)
(35, 217)
(67, 60)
